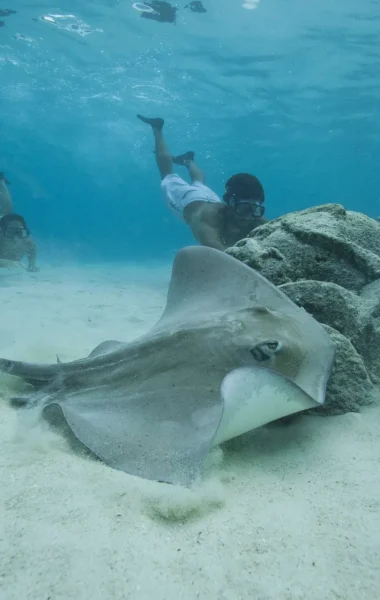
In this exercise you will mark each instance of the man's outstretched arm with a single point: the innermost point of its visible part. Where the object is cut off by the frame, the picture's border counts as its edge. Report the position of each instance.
(32, 256)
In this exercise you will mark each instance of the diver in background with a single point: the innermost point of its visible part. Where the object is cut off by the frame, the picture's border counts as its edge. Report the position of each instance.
(214, 223)
(15, 242)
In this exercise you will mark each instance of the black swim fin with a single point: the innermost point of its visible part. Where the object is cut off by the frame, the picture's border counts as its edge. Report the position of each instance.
(196, 6)
(161, 11)
(156, 123)
(183, 158)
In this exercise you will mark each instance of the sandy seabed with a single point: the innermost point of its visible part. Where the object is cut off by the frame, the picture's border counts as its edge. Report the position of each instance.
(286, 513)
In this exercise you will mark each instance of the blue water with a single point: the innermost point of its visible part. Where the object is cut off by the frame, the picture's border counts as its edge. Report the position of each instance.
(289, 91)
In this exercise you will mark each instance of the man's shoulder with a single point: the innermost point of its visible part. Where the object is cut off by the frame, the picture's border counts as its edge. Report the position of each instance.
(201, 209)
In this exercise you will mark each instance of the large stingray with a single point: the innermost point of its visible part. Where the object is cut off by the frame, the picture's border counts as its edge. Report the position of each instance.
(230, 353)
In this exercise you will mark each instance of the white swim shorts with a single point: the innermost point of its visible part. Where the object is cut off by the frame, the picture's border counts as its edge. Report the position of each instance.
(178, 193)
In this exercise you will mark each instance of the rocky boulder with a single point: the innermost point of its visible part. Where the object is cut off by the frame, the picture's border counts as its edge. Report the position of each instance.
(327, 260)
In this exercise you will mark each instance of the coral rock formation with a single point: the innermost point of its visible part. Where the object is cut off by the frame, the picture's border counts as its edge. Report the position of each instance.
(327, 260)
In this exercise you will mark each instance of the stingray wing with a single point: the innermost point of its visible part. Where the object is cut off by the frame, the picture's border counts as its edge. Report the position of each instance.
(161, 435)
(165, 436)
(253, 397)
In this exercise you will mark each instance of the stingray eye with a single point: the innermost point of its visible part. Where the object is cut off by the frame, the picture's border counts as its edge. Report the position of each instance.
(273, 345)
(265, 350)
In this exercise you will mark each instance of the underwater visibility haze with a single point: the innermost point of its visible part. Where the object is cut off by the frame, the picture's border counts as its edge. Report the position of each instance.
(255, 391)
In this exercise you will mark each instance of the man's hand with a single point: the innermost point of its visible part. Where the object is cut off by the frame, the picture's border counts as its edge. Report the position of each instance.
(33, 269)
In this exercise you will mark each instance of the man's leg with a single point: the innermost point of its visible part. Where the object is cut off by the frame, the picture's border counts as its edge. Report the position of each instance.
(163, 157)
(187, 160)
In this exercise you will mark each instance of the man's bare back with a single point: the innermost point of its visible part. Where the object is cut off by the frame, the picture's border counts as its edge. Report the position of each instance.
(215, 225)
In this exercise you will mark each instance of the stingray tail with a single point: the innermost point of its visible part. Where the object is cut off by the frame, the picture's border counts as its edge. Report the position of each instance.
(35, 374)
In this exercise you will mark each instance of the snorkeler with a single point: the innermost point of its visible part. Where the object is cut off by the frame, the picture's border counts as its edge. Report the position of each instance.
(215, 223)
(15, 242)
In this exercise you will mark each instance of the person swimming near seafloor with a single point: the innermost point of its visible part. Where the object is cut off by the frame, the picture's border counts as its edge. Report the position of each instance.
(15, 241)
(213, 222)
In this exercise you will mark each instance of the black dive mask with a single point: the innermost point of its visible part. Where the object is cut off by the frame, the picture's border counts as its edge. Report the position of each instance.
(15, 232)
(245, 208)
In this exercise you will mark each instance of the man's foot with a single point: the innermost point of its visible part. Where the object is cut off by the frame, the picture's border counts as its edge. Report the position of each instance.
(155, 123)
(182, 159)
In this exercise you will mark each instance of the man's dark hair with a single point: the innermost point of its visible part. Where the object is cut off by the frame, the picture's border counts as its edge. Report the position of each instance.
(4, 221)
(245, 186)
